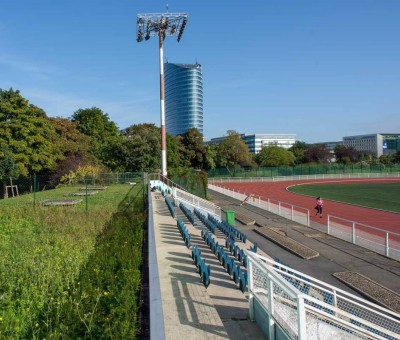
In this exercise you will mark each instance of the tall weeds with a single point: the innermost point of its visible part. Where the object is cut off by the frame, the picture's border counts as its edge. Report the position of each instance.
(68, 272)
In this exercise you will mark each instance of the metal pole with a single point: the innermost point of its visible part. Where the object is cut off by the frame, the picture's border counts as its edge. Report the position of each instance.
(162, 107)
(250, 288)
(301, 319)
(86, 190)
(327, 224)
(387, 245)
(34, 190)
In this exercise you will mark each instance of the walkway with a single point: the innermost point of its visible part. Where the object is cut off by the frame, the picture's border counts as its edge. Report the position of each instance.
(190, 310)
(335, 255)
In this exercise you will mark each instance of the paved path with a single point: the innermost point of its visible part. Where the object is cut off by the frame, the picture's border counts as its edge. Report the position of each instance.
(190, 310)
(335, 255)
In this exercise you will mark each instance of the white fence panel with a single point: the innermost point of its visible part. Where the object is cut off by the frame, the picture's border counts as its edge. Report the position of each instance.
(306, 308)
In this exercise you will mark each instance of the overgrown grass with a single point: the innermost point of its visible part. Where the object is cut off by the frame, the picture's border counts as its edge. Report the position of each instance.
(70, 273)
(384, 196)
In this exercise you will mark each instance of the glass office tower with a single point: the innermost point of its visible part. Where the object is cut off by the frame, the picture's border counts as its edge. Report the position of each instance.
(183, 84)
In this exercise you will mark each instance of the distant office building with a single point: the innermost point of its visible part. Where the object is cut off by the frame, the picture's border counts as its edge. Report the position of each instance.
(376, 144)
(183, 84)
(256, 142)
(329, 145)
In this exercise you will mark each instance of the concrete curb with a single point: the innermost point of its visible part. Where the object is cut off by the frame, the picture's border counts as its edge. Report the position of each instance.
(286, 243)
(371, 289)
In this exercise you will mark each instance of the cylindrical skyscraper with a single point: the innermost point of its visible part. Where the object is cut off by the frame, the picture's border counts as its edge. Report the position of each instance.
(183, 85)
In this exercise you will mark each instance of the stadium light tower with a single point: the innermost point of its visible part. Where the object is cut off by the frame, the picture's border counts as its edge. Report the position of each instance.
(161, 25)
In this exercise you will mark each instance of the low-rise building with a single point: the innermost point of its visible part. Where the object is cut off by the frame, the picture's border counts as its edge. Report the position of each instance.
(256, 141)
(376, 144)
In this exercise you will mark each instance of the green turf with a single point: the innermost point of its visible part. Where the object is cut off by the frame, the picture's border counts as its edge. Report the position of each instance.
(384, 196)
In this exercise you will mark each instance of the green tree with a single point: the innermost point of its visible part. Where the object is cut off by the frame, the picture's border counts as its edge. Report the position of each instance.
(193, 147)
(298, 149)
(210, 156)
(8, 167)
(71, 140)
(317, 154)
(233, 152)
(142, 148)
(346, 155)
(274, 155)
(386, 159)
(28, 133)
(96, 124)
(174, 160)
(396, 157)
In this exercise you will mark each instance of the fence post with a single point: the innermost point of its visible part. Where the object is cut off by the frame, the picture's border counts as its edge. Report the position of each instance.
(86, 188)
(34, 190)
(292, 213)
(334, 302)
(271, 307)
(387, 245)
(353, 233)
(251, 286)
(328, 223)
(301, 319)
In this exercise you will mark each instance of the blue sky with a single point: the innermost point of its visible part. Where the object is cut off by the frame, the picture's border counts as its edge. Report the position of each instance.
(319, 69)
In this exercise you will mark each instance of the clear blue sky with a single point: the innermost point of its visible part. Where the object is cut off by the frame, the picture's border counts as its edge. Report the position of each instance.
(319, 69)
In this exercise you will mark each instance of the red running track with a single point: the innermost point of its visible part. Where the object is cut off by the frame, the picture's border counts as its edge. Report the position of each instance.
(278, 191)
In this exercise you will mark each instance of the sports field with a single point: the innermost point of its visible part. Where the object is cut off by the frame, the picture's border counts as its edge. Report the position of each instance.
(385, 196)
(387, 219)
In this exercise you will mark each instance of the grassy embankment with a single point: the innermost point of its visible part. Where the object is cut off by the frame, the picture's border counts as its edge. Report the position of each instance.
(70, 273)
(384, 196)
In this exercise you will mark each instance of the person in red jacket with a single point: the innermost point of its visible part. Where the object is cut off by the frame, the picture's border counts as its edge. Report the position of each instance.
(319, 206)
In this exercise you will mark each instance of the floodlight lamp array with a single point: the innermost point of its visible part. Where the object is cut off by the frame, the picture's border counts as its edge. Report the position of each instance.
(160, 24)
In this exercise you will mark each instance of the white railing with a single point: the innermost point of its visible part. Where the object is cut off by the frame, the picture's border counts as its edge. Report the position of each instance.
(287, 210)
(302, 177)
(196, 202)
(181, 195)
(156, 177)
(306, 308)
(378, 240)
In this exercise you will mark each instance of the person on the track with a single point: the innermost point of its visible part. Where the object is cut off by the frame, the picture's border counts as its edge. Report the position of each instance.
(319, 206)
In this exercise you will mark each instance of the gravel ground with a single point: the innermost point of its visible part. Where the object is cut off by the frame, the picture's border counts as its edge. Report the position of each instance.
(287, 243)
(371, 289)
(244, 219)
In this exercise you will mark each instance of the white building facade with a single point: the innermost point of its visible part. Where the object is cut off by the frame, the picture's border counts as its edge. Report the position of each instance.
(256, 142)
(376, 144)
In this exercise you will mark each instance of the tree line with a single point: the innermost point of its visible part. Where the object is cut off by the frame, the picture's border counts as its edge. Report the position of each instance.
(88, 141)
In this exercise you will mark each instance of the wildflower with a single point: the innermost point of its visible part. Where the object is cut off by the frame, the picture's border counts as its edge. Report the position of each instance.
(1, 318)
(106, 293)
(36, 325)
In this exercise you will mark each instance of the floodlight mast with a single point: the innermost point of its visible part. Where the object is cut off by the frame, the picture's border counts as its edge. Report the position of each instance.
(161, 25)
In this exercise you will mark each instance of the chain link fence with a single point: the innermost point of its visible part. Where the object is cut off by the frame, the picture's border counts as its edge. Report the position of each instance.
(12, 187)
(303, 170)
